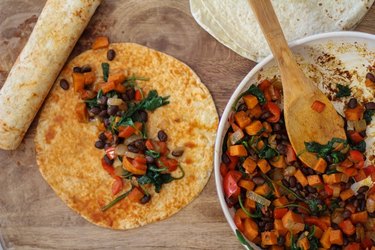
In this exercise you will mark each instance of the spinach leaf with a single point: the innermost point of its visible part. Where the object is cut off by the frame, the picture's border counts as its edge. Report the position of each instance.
(156, 178)
(92, 103)
(153, 154)
(255, 91)
(117, 199)
(316, 206)
(368, 114)
(343, 91)
(314, 243)
(267, 152)
(150, 103)
(293, 245)
(324, 150)
(124, 121)
(337, 156)
(360, 146)
(105, 68)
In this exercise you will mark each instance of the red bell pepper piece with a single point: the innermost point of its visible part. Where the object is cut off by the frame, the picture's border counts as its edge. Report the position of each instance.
(108, 168)
(355, 136)
(274, 110)
(290, 154)
(328, 190)
(110, 152)
(117, 185)
(279, 213)
(231, 189)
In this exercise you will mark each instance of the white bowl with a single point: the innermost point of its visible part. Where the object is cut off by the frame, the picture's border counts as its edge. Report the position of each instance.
(346, 46)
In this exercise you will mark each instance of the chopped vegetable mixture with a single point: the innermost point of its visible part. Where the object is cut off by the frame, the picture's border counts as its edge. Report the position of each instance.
(120, 108)
(279, 202)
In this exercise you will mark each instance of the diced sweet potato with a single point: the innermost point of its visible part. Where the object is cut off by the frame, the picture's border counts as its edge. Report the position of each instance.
(293, 222)
(263, 165)
(263, 189)
(249, 165)
(118, 78)
(89, 77)
(346, 194)
(304, 243)
(269, 238)
(336, 237)
(250, 204)
(320, 165)
(279, 227)
(325, 239)
(246, 184)
(318, 232)
(254, 128)
(78, 81)
(301, 178)
(237, 150)
(100, 42)
(276, 247)
(353, 246)
(314, 180)
(260, 145)
(332, 178)
(255, 112)
(250, 101)
(360, 217)
(355, 114)
(347, 227)
(242, 119)
(280, 201)
(250, 229)
(278, 161)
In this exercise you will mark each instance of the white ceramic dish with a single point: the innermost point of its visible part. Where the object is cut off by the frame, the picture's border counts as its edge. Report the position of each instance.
(352, 52)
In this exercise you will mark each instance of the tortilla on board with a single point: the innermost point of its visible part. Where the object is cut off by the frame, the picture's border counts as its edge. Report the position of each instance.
(56, 32)
(71, 164)
(233, 24)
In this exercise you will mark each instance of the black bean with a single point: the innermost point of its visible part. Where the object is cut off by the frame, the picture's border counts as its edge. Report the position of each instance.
(342, 204)
(311, 171)
(281, 240)
(362, 204)
(334, 247)
(356, 203)
(346, 242)
(103, 113)
(284, 136)
(112, 110)
(107, 122)
(242, 107)
(329, 159)
(111, 54)
(370, 105)
(360, 196)
(225, 158)
(348, 185)
(64, 84)
(107, 160)
(140, 144)
(77, 69)
(267, 219)
(370, 76)
(103, 100)
(107, 145)
(372, 215)
(150, 159)
(130, 92)
(362, 189)
(285, 183)
(142, 116)
(261, 223)
(363, 133)
(351, 199)
(133, 148)
(299, 186)
(276, 127)
(145, 199)
(99, 144)
(258, 180)
(281, 148)
(85, 69)
(292, 181)
(268, 226)
(177, 153)
(95, 110)
(311, 189)
(265, 115)
(102, 136)
(334, 226)
(162, 135)
(304, 170)
(352, 103)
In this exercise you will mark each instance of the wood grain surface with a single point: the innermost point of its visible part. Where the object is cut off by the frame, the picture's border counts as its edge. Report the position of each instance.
(32, 216)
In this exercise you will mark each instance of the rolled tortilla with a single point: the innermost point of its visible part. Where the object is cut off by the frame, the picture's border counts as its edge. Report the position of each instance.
(58, 28)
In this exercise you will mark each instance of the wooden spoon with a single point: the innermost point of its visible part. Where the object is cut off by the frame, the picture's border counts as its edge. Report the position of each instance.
(303, 124)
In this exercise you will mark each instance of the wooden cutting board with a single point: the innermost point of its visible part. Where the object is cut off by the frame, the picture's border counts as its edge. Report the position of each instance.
(32, 216)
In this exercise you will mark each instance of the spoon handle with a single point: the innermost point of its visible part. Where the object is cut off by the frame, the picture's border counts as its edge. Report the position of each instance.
(274, 35)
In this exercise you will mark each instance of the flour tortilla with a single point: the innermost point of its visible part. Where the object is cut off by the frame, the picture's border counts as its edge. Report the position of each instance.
(233, 23)
(70, 163)
(57, 30)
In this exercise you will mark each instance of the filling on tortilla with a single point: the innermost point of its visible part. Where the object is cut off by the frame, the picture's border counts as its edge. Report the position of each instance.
(119, 107)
